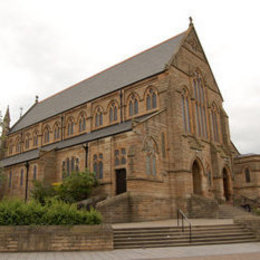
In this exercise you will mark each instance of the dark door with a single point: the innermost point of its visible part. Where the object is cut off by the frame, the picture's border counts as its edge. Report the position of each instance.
(120, 181)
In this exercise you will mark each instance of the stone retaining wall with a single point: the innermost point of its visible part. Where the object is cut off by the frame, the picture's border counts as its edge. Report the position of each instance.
(55, 238)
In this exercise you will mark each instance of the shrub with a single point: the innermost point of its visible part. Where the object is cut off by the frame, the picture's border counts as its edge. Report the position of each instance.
(54, 212)
(76, 187)
(41, 191)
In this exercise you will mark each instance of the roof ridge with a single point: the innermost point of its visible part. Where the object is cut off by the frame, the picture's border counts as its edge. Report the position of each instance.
(113, 66)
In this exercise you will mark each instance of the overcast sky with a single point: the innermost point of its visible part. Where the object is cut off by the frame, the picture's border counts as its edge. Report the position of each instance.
(46, 46)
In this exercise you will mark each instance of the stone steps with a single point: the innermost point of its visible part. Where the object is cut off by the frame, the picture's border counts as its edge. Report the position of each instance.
(173, 236)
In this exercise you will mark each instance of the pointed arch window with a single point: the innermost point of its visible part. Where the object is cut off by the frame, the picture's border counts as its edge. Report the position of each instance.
(99, 117)
(133, 105)
(34, 172)
(82, 123)
(21, 177)
(18, 145)
(200, 106)
(186, 111)
(27, 141)
(113, 112)
(56, 132)
(46, 135)
(11, 147)
(35, 138)
(10, 179)
(120, 157)
(151, 99)
(70, 127)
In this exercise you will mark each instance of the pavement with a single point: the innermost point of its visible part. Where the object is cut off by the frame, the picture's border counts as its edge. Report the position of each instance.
(245, 251)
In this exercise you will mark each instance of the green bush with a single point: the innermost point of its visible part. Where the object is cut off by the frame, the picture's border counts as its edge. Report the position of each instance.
(76, 187)
(54, 212)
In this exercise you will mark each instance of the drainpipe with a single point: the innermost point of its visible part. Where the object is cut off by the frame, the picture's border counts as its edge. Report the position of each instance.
(27, 165)
(86, 155)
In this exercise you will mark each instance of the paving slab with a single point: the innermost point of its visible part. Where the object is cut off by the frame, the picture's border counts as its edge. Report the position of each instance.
(248, 251)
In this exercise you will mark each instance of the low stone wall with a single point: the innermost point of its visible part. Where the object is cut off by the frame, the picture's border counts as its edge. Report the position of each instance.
(201, 207)
(251, 223)
(134, 207)
(55, 238)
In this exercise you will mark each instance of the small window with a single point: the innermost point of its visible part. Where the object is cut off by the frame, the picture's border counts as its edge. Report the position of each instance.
(10, 179)
(247, 175)
(21, 178)
(151, 99)
(34, 172)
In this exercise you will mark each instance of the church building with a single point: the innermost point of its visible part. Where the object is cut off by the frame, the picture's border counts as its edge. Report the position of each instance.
(152, 128)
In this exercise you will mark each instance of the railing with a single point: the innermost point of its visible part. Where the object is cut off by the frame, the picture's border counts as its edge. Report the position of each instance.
(181, 215)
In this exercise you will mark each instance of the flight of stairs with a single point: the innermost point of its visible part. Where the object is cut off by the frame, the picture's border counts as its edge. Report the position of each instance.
(173, 236)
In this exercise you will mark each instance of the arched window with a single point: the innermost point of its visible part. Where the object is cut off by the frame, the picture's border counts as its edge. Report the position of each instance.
(247, 175)
(132, 105)
(120, 157)
(18, 145)
(46, 135)
(200, 106)
(99, 117)
(35, 138)
(27, 141)
(34, 172)
(214, 123)
(72, 164)
(70, 127)
(186, 111)
(56, 132)
(151, 99)
(10, 179)
(67, 166)
(98, 165)
(82, 123)
(113, 112)
(21, 178)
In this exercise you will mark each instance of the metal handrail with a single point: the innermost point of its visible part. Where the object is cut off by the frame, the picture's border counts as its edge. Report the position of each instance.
(183, 217)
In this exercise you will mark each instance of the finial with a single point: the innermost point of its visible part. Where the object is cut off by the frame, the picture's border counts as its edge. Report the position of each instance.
(191, 21)
(21, 111)
(36, 99)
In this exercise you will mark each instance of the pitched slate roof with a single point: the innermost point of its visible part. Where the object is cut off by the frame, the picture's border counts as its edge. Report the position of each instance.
(141, 66)
(81, 139)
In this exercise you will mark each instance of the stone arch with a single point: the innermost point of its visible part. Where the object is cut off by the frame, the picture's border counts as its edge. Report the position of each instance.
(227, 183)
(197, 175)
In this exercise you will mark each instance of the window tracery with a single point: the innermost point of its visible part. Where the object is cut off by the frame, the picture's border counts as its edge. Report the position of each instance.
(133, 105)
(186, 111)
(120, 157)
(70, 127)
(27, 141)
(150, 150)
(46, 135)
(200, 106)
(56, 132)
(99, 117)
(113, 109)
(151, 99)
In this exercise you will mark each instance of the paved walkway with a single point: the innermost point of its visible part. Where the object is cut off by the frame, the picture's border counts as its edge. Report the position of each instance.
(246, 251)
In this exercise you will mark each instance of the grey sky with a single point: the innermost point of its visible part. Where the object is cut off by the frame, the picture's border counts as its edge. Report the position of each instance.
(46, 46)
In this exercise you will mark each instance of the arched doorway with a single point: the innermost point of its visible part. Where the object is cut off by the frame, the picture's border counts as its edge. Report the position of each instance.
(196, 176)
(226, 185)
